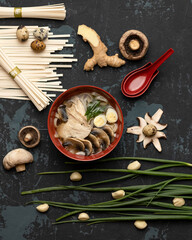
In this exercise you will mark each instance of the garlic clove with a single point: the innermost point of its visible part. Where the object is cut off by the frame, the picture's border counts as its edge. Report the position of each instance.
(43, 207)
(75, 177)
(178, 202)
(118, 194)
(140, 224)
(134, 165)
(83, 217)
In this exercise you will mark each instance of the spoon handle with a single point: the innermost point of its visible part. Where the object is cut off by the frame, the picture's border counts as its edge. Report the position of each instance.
(162, 59)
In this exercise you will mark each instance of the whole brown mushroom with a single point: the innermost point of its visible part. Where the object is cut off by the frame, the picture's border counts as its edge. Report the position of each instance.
(133, 45)
(29, 136)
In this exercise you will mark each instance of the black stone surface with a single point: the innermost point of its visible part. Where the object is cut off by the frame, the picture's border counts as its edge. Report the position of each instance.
(167, 23)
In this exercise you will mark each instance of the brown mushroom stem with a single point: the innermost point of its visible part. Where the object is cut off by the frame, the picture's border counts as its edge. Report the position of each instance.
(28, 137)
(20, 168)
(134, 44)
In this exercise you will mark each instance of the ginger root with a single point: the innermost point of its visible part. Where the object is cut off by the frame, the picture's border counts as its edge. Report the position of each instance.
(100, 56)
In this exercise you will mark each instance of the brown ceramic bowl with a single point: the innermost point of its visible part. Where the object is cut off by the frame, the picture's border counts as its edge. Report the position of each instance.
(67, 95)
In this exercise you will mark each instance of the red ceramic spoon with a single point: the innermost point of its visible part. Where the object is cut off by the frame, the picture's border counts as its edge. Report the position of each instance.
(138, 81)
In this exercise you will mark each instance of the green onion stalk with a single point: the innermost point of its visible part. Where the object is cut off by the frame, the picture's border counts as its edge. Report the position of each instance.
(137, 198)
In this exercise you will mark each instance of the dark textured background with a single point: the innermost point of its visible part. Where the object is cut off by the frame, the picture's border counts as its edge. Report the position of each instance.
(167, 23)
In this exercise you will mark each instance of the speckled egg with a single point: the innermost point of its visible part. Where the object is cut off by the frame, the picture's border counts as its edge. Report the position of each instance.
(41, 34)
(22, 33)
(38, 46)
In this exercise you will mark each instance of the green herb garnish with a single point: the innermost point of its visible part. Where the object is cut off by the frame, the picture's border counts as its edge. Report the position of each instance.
(94, 109)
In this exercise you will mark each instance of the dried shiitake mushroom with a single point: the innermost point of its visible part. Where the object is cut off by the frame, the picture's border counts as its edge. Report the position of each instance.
(133, 45)
(29, 136)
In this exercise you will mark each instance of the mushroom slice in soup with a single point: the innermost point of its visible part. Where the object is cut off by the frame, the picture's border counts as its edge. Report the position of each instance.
(95, 143)
(73, 145)
(102, 137)
(109, 132)
(62, 113)
(88, 146)
(113, 126)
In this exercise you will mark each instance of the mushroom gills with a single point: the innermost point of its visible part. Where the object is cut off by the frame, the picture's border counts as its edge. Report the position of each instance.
(133, 45)
(62, 113)
(29, 136)
(88, 146)
(73, 145)
(95, 143)
(109, 132)
(128, 45)
(113, 126)
(102, 137)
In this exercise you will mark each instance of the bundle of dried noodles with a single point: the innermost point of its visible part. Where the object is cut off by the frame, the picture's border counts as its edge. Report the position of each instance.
(55, 11)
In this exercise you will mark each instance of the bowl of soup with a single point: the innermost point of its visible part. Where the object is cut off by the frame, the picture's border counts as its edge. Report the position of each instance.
(85, 123)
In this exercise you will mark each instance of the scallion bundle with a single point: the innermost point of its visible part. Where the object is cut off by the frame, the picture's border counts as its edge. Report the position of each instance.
(140, 201)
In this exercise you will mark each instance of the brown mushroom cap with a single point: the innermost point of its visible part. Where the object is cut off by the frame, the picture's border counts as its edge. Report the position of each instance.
(17, 158)
(73, 145)
(102, 137)
(109, 132)
(88, 146)
(29, 136)
(95, 143)
(133, 45)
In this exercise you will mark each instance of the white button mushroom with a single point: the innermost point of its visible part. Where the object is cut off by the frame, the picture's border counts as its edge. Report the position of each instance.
(134, 165)
(17, 158)
(118, 194)
(140, 224)
(43, 207)
(178, 202)
(83, 217)
(75, 177)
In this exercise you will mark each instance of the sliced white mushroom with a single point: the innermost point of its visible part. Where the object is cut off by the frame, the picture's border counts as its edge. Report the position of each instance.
(157, 144)
(140, 138)
(156, 116)
(142, 122)
(150, 120)
(146, 141)
(135, 130)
